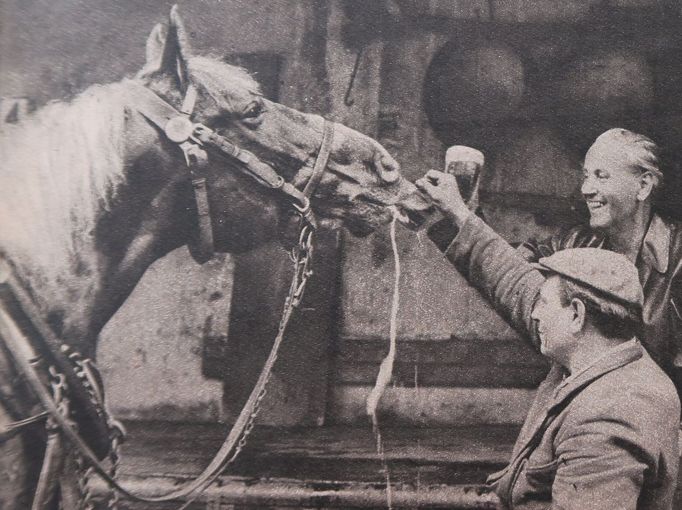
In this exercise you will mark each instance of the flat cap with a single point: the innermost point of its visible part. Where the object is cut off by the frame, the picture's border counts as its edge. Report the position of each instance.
(605, 271)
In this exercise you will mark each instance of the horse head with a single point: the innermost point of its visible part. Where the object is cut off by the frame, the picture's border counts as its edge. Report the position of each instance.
(361, 180)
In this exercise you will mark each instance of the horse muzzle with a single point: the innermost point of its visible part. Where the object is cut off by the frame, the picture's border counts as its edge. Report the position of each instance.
(414, 208)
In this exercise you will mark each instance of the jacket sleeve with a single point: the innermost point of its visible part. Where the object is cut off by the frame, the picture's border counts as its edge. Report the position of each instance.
(602, 464)
(497, 270)
(676, 325)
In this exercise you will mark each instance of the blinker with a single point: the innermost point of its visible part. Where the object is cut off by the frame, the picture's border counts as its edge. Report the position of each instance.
(179, 129)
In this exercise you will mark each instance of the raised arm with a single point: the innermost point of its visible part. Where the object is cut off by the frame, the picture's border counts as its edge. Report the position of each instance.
(499, 272)
(488, 262)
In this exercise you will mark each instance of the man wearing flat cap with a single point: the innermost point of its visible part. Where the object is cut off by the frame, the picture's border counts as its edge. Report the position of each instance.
(602, 432)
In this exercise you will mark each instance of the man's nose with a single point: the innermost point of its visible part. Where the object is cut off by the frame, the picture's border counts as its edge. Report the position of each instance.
(587, 187)
(535, 312)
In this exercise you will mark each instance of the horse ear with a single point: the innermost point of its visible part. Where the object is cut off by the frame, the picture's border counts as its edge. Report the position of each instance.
(168, 50)
(154, 48)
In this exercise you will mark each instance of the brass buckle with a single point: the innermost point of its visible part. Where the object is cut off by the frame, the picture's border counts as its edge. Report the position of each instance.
(179, 129)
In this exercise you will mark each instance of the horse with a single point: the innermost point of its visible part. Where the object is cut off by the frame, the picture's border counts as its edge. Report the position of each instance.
(92, 191)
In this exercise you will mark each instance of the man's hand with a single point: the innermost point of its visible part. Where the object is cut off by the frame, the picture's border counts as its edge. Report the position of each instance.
(443, 190)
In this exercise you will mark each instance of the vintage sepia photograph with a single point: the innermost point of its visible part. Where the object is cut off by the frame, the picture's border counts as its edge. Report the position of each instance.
(340, 254)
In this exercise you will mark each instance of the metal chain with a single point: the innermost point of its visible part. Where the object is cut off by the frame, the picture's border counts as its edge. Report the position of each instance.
(301, 256)
(84, 475)
(79, 366)
(84, 471)
(115, 458)
(82, 367)
(59, 391)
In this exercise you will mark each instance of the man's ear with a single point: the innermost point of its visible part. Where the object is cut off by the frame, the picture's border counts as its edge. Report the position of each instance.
(646, 186)
(168, 50)
(579, 315)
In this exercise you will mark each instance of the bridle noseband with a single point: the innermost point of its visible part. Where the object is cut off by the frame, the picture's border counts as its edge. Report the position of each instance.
(193, 138)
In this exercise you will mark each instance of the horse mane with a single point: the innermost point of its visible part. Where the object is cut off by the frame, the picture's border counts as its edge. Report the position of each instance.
(60, 167)
(220, 79)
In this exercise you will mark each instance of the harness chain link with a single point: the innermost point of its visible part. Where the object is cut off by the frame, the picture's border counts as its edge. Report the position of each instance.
(84, 471)
(301, 256)
(59, 389)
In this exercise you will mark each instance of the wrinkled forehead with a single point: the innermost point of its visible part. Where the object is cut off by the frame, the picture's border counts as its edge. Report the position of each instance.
(231, 87)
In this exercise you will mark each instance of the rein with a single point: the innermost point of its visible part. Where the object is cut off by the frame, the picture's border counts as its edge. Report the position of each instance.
(192, 138)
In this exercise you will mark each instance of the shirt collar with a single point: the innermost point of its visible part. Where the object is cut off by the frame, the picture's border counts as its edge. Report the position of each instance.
(610, 353)
(656, 244)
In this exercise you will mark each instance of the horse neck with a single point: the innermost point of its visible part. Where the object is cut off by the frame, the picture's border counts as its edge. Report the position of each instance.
(145, 221)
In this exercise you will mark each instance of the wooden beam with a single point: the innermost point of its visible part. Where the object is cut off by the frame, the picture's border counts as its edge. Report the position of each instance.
(289, 493)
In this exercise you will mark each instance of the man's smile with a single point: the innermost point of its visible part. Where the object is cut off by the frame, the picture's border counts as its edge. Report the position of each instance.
(593, 204)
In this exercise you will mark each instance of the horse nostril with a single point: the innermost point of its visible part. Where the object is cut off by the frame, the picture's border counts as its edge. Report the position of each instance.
(389, 175)
(387, 167)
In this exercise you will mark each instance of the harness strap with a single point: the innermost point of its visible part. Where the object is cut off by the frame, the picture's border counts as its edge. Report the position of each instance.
(189, 101)
(49, 473)
(11, 429)
(203, 248)
(263, 173)
(322, 159)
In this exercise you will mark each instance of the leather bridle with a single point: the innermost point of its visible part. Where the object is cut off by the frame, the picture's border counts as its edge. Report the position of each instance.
(193, 138)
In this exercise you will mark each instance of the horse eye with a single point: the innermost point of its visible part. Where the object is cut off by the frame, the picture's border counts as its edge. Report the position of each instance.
(254, 109)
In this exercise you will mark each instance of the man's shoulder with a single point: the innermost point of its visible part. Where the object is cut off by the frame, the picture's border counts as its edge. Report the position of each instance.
(577, 236)
(634, 392)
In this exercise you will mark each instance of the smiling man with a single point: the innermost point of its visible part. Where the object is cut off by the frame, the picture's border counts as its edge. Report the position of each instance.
(622, 179)
(603, 429)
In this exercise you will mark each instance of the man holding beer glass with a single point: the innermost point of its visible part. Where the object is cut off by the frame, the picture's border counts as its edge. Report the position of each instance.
(621, 176)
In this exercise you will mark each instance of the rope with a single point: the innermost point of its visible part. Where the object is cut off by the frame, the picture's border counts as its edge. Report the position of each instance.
(386, 367)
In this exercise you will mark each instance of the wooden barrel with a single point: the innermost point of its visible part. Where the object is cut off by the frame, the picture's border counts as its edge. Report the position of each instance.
(470, 89)
(607, 83)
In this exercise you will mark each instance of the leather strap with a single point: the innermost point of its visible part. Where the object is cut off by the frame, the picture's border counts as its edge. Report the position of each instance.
(18, 305)
(50, 471)
(178, 127)
(10, 430)
(189, 101)
(322, 158)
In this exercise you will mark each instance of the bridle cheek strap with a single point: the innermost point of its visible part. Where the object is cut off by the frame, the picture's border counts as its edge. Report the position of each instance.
(191, 138)
(322, 158)
(202, 248)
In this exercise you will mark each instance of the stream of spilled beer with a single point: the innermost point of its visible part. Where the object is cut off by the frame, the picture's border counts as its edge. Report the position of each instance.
(386, 368)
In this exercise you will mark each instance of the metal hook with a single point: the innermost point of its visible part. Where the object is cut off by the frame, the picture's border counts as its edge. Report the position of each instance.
(347, 100)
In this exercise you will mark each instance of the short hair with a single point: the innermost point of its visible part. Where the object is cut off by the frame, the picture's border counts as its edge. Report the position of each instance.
(644, 154)
(611, 318)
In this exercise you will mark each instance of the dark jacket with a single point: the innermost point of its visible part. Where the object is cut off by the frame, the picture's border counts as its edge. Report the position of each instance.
(604, 438)
(660, 267)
